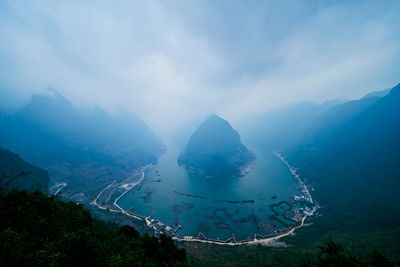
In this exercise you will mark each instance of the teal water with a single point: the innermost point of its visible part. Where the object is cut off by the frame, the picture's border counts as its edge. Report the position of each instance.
(215, 208)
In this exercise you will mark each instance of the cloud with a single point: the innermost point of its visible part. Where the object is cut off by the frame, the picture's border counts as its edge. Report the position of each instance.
(173, 61)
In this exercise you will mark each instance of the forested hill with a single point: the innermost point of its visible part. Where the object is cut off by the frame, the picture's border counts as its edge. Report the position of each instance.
(351, 154)
(36, 230)
(215, 150)
(82, 146)
(17, 173)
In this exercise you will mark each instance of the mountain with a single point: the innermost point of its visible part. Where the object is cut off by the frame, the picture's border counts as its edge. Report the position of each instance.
(351, 154)
(215, 150)
(17, 173)
(323, 128)
(84, 147)
(180, 137)
(282, 128)
(381, 93)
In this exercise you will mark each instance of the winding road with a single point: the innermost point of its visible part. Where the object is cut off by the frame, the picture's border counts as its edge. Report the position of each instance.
(115, 203)
(263, 241)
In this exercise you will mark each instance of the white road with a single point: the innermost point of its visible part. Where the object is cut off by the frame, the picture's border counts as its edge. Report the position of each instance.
(133, 185)
(59, 187)
(263, 241)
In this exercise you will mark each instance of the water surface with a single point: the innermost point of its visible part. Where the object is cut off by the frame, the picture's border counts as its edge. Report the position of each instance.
(215, 208)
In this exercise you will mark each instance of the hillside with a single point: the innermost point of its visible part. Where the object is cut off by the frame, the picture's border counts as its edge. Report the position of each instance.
(84, 147)
(351, 154)
(66, 235)
(282, 128)
(215, 150)
(17, 173)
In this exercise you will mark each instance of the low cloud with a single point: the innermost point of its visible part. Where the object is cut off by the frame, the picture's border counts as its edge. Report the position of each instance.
(171, 62)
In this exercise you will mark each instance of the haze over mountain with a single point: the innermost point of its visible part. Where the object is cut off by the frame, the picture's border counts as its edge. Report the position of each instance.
(283, 127)
(215, 150)
(311, 86)
(381, 93)
(170, 62)
(349, 151)
(180, 137)
(84, 147)
(351, 154)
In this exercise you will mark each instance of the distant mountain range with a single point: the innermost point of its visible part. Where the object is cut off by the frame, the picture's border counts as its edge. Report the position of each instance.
(85, 147)
(215, 150)
(381, 93)
(283, 127)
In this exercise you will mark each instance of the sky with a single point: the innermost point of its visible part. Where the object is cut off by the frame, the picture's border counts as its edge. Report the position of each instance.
(174, 61)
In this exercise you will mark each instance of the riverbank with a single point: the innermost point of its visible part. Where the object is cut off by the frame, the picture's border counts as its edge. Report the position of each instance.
(264, 240)
(292, 170)
(128, 187)
(267, 240)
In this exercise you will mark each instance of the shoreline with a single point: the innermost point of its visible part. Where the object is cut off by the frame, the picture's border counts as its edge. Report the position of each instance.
(59, 187)
(296, 176)
(133, 185)
(159, 227)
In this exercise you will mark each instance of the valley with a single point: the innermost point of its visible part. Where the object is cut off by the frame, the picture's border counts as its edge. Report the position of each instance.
(200, 133)
(131, 187)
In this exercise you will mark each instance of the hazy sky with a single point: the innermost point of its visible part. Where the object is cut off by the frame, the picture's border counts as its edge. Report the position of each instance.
(170, 61)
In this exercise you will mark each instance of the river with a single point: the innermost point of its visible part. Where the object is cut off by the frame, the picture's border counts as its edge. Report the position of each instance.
(215, 208)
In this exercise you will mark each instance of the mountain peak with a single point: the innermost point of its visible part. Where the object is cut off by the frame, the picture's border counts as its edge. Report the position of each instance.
(49, 99)
(215, 150)
(51, 95)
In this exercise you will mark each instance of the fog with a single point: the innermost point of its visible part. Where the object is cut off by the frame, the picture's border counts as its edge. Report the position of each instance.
(171, 62)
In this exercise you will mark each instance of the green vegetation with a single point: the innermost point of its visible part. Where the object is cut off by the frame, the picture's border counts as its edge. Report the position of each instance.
(84, 147)
(215, 150)
(334, 254)
(351, 155)
(329, 253)
(36, 230)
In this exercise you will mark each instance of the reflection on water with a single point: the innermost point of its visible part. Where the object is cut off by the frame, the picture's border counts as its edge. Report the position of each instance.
(217, 208)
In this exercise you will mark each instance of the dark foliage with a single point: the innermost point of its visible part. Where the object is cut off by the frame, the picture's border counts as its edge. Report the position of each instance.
(36, 230)
(333, 254)
(351, 156)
